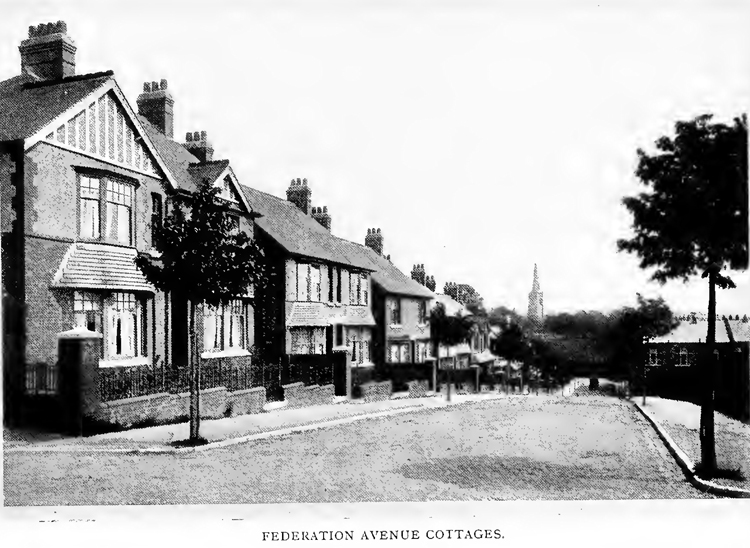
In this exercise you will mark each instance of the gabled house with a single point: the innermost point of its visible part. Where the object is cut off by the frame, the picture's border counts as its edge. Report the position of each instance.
(84, 180)
(457, 356)
(319, 291)
(400, 306)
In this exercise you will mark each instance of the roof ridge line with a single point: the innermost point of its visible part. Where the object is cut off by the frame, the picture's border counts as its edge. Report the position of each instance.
(77, 78)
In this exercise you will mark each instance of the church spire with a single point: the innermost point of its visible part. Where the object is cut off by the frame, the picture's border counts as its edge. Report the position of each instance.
(536, 303)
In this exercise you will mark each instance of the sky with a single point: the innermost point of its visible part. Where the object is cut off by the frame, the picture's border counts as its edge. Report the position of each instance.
(481, 138)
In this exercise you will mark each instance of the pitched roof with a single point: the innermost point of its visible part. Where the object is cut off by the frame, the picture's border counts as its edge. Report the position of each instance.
(100, 266)
(175, 156)
(696, 332)
(300, 234)
(390, 278)
(452, 307)
(26, 106)
(208, 170)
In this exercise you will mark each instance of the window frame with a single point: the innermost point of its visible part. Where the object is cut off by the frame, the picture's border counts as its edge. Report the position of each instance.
(395, 310)
(223, 317)
(104, 178)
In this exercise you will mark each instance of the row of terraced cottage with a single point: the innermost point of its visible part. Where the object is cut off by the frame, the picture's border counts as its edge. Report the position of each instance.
(86, 178)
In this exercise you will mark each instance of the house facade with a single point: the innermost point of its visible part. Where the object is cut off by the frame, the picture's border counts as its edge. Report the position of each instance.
(85, 179)
(320, 302)
(400, 306)
(456, 356)
(673, 368)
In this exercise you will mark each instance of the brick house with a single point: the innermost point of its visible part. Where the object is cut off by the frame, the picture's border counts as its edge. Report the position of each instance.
(84, 179)
(400, 306)
(320, 288)
(673, 369)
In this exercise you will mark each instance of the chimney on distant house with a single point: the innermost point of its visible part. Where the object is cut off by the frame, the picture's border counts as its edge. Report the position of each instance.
(49, 53)
(374, 240)
(157, 106)
(430, 283)
(199, 146)
(418, 273)
(321, 215)
(300, 195)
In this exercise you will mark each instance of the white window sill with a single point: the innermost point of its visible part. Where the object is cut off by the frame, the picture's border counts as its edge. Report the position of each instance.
(396, 326)
(125, 362)
(233, 352)
(422, 325)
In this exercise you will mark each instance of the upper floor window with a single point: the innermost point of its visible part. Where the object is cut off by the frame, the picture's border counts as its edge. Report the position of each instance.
(422, 312)
(395, 310)
(338, 284)
(234, 225)
(308, 282)
(357, 288)
(157, 214)
(653, 356)
(226, 191)
(330, 284)
(683, 357)
(115, 200)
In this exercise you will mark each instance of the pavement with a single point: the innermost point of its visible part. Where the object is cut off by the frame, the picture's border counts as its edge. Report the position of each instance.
(678, 424)
(478, 448)
(228, 431)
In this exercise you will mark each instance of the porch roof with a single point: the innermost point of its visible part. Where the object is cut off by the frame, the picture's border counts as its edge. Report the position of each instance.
(100, 266)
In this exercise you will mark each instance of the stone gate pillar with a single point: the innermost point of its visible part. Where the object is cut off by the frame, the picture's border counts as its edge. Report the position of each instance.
(78, 352)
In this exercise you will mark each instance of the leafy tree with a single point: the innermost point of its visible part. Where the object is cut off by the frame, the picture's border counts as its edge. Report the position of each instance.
(501, 315)
(693, 219)
(204, 256)
(449, 330)
(631, 327)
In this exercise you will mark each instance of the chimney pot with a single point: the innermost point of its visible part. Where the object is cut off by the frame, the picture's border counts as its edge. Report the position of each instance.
(163, 84)
(146, 87)
(45, 56)
(204, 135)
(379, 233)
(299, 181)
(154, 86)
(189, 136)
(196, 136)
(325, 209)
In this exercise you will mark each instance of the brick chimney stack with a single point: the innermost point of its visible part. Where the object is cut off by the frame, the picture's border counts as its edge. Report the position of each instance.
(321, 215)
(300, 195)
(430, 283)
(199, 146)
(374, 240)
(157, 106)
(49, 53)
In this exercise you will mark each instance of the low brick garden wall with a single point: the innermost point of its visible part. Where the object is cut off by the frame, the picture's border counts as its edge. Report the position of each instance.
(418, 389)
(163, 407)
(376, 391)
(247, 402)
(298, 395)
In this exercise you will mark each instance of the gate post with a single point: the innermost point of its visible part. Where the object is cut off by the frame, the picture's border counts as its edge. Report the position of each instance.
(476, 368)
(78, 376)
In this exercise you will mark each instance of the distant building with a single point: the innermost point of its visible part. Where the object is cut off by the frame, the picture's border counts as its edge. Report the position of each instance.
(536, 303)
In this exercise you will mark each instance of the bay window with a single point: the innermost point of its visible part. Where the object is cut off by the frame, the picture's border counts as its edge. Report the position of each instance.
(307, 340)
(120, 317)
(125, 326)
(398, 352)
(227, 327)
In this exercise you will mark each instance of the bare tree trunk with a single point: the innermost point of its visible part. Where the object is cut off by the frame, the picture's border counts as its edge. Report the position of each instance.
(708, 448)
(194, 380)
